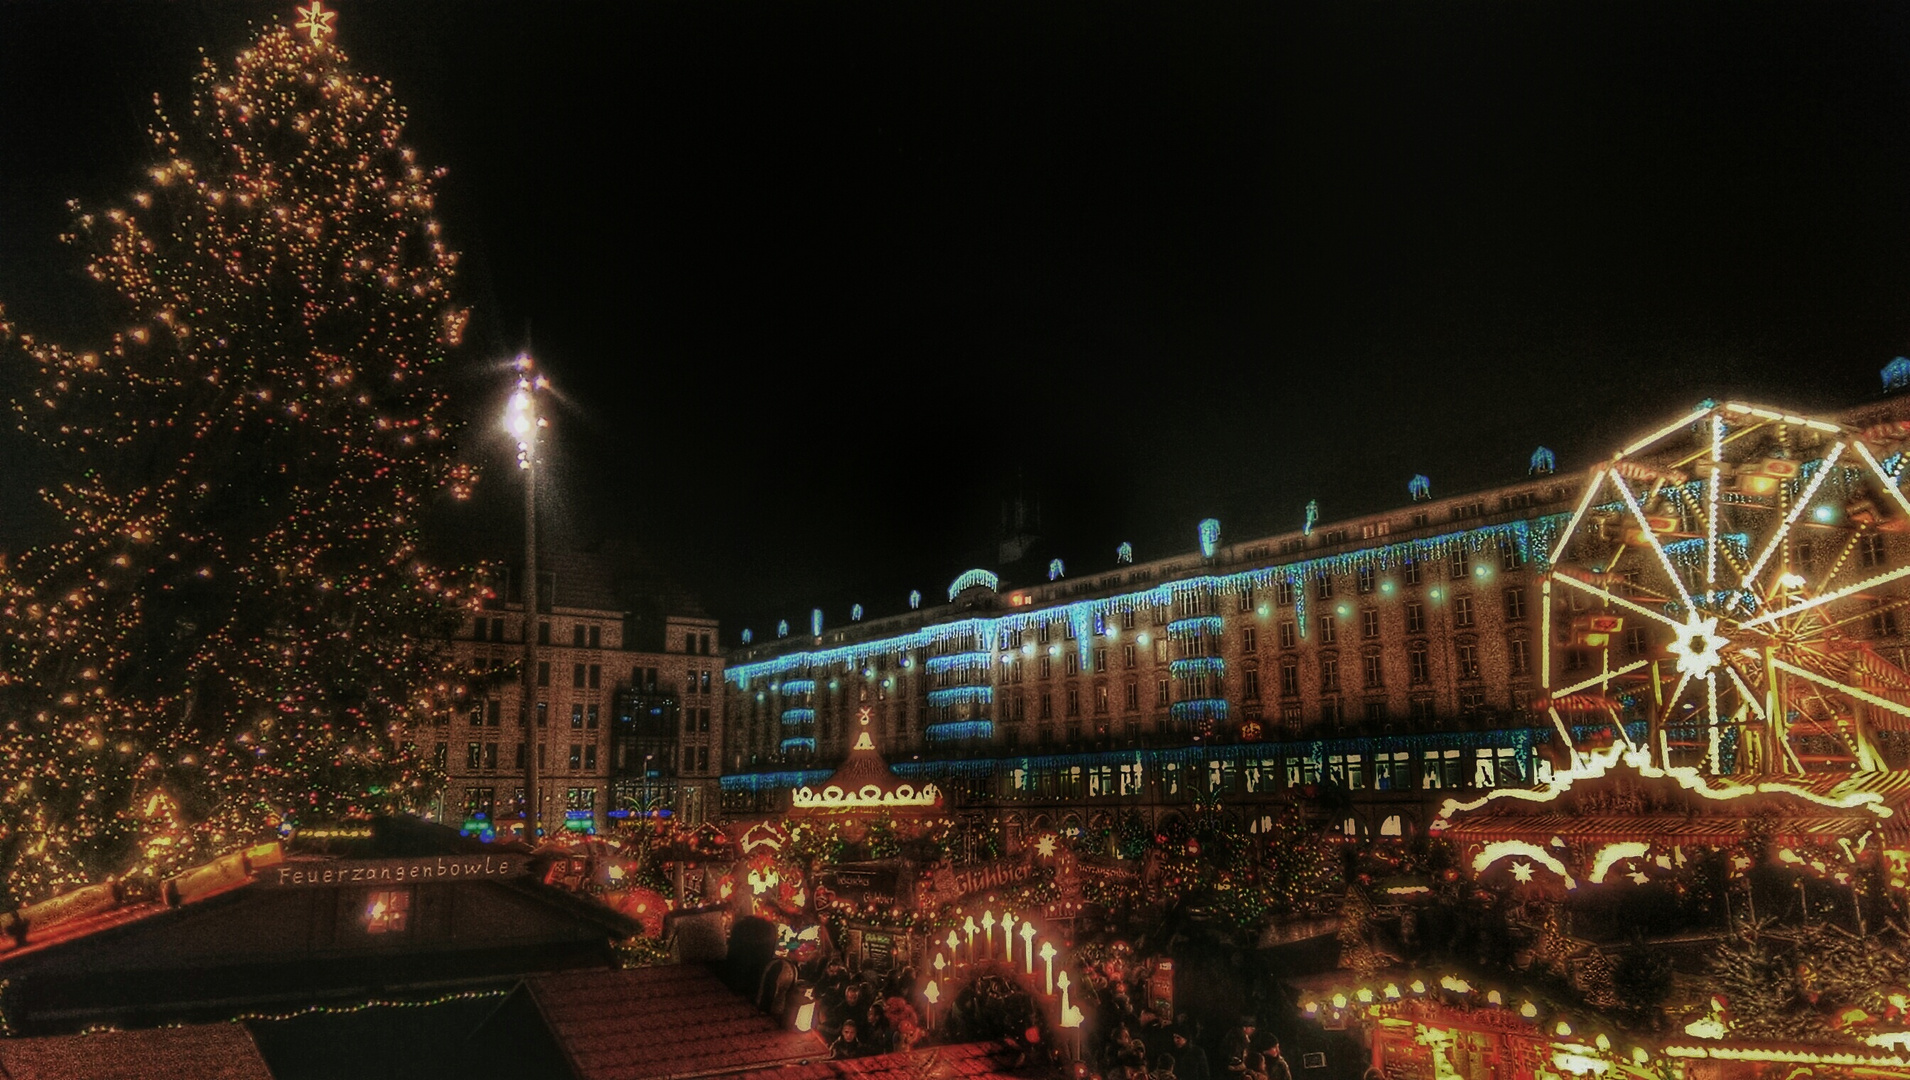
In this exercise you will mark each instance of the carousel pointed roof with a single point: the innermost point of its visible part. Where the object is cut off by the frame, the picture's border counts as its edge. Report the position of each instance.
(864, 782)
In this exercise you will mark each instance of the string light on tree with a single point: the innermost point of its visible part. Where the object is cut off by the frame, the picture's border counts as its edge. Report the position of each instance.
(234, 633)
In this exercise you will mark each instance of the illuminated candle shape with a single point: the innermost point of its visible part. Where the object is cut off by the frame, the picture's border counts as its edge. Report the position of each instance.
(988, 933)
(954, 943)
(1028, 942)
(1008, 936)
(1062, 981)
(1047, 957)
(934, 994)
(1071, 1017)
(968, 927)
(940, 963)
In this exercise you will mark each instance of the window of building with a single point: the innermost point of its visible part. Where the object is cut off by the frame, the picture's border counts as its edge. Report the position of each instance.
(1289, 676)
(1420, 708)
(1323, 586)
(1072, 662)
(1461, 611)
(596, 675)
(1328, 629)
(1369, 623)
(1883, 621)
(1244, 600)
(1471, 701)
(576, 755)
(1250, 684)
(578, 636)
(543, 633)
(1101, 660)
(1418, 663)
(1163, 692)
(1517, 660)
(493, 710)
(1467, 657)
(1511, 555)
(591, 717)
(1409, 569)
(1046, 668)
(1133, 701)
(543, 714)
(386, 911)
(474, 755)
(1371, 672)
(1459, 563)
(490, 755)
(1329, 674)
(1100, 700)
(1514, 604)
(1047, 705)
(1074, 701)
(1871, 549)
(1415, 618)
(1289, 634)
(439, 755)
(1331, 711)
(1286, 592)
(590, 756)
(1249, 639)
(576, 718)
(1127, 619)
(543, 673)
(1128, 656)
(1363, 579)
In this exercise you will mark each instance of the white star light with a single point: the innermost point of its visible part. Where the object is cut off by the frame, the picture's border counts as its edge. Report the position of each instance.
(1697, 646)
(1522, 872)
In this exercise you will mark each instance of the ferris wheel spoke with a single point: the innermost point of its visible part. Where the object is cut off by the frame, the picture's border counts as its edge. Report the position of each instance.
(1711, 502)
(1601, 677)
(1784, 527)
(1683, 421)
(1684, 680)
(1651, 537)
(1884, 478)
(1825, 598)
(1578, 515)
(1744, 691)
(1842, 688)
(1588, 587)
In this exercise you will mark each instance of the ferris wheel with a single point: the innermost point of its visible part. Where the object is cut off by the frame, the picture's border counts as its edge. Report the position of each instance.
(1727, 593)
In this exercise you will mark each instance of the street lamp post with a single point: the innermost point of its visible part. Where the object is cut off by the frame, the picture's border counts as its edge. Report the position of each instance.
(522, 421)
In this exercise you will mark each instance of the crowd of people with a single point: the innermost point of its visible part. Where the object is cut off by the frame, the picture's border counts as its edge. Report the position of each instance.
(1141, 1041)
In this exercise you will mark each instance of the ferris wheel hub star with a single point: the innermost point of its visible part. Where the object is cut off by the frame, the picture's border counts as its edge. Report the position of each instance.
(1697, 645)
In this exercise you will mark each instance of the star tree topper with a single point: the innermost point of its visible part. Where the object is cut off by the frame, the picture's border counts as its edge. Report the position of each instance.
(316, 21)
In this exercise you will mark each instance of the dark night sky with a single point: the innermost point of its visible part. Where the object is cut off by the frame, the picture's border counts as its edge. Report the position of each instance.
(826, 282)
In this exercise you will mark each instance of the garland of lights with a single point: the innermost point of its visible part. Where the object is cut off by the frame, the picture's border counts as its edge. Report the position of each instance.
(1530, 539)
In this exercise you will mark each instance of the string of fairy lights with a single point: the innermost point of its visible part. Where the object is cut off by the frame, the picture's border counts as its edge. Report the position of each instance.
(237, 628)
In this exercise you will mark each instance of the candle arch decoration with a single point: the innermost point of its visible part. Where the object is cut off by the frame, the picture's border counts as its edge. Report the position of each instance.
(1713, 578)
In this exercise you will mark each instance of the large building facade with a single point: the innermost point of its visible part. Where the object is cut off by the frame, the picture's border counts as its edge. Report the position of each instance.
(628, 718)
(1379, 661)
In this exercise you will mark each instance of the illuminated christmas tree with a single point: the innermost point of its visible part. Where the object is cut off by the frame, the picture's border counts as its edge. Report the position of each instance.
(237, 628)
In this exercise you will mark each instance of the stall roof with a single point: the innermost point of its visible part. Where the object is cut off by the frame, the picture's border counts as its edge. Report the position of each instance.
(198, 1052)
(676, 1020)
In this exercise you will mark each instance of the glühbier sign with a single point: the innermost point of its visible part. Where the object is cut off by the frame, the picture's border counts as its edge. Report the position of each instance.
(396, 871)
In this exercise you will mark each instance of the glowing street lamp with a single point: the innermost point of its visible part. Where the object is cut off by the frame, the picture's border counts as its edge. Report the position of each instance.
(522, 421)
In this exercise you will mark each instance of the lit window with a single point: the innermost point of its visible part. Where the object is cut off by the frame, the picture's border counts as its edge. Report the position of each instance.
(385, 912)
